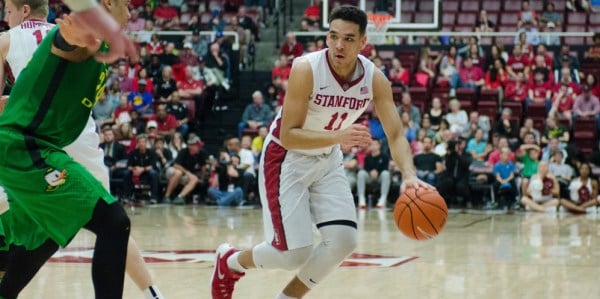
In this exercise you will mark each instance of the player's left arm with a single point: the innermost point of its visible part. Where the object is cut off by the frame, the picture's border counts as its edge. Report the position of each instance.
(4, 46)
(399, 147)
(72, 42)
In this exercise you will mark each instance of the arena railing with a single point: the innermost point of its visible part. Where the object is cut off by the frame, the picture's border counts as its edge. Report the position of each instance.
(211, 34)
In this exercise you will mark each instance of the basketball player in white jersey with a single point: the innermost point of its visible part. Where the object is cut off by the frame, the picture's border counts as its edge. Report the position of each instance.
(26, 18)
(302, 179)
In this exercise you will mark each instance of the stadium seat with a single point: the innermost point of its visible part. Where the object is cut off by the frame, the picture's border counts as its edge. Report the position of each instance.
(448, 19)
(463, 28)
(426, 6)
(449, 6)
(205, 18)
(419, 94)
(408, 6)
(586, 141)
(536, 110)
(469, 5)
(442, 94)
(486, 40)
(466, 96)
(488, 108)
(509, 19)
(406, 17)
(423, 17)
(585, 125)
(512, 5)
(538, 6)
(467, 18)
(594, 19)
(577, 18)
(515, 107)
(575, 40)
(385, 54)
(491, 6)
(488, 95)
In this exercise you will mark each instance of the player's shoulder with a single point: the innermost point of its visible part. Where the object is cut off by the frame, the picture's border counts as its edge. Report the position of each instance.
(302, 65)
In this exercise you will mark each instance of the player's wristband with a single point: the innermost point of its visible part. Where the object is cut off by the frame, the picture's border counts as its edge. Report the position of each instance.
(80, 5)
(61, 44)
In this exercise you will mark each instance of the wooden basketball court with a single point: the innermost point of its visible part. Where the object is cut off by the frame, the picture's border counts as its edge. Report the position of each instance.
(479, 255)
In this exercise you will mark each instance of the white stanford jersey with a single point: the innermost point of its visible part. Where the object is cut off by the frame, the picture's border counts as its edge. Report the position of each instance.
(334, 104)
(24, 40)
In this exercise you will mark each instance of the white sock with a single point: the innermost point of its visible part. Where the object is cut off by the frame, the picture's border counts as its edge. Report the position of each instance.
(152, 292)
(234, 264)
(284, 296)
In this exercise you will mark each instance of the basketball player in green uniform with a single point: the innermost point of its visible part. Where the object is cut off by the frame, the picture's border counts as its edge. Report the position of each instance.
(52, 196)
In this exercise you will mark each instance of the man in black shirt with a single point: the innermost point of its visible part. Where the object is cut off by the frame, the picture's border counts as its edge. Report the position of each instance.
(376, 170)
(189, 169)
(180, 111)
(455, 180)
(113, 153)
(141, 164)
(228, 188)
(428, 164)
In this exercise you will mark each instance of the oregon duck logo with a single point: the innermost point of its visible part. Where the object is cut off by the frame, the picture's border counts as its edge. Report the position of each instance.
(55, 178)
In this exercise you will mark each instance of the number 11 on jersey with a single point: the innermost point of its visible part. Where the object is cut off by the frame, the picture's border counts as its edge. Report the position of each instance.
(334, 120)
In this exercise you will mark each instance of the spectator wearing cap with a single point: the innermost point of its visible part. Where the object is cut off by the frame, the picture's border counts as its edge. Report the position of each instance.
(189, 169)
(199, 45)
(256, 114)
(587, 106)
(291, 48)
(136, 23)
(550, 40)
(151, 127)
(180, 110)
(141, 165)
(188, 57)
(166, 16)
(167, 124)
(141, 100)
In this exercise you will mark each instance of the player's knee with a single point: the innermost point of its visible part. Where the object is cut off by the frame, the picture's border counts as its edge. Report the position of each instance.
(295, 258)
(119, 221)
(343, 244)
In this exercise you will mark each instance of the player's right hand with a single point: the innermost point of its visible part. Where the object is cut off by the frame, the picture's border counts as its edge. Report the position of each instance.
(355, 135)
(99, 22)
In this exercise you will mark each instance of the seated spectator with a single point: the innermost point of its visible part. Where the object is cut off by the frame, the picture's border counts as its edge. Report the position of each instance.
(246, 165)
(189, 170)
(137, 123)
(565, 76)
(164, 157)
(380, 66)
(416, 146)
(141, 165)
(471, 76)
(243, 40)
(550, 40)
(517, 90)
(113, 153)
(586, 106)
(188, 57)
(442, 147)
(476, 54)
(190, 88)
(592, 82)
(562, 104)
(454, 181)
(256, 114)
(562, 171)
(103, 111)
(122, 112)
(528, 128)
(540, 65)
(483, 24)
(428, 165)
(532, 36)
(427, 67)
(215, 67)
(449, 66)
(258, 141)
(496, 52)
(141, 100)
(583, 191)
(549, 15)
(506, 127)
(135, 22)
(543, 192)
(555, 130)
(477, 122)
(539, 90)
(143, 75)
(145, 36)
(291, 48)
(125, 136)
(441, 132)
(436, 113)
(526, 47)
(563, 57)
(283, 68)
(165, 85)
(593, 53)
(165, 16)
(552, 147)
(166, 122)
(504, 173)
(526, 15)
(181, 113)
(399, 75)
(426, 126)
(313, 12)
(155, 46)
(410, 128)
(376, 169)
(456, 117)
(247, 22)
(406, 105)
(530, 158)
(517, 63)
(227, 191)
(113, 93)
(577, 5)
(199, 44)
(494, 156)
(478, 147)
(350, 164)
(122, 78)
(177, 144)
(496, 77)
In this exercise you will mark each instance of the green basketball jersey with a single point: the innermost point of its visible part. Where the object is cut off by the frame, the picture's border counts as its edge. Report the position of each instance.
(55, 105)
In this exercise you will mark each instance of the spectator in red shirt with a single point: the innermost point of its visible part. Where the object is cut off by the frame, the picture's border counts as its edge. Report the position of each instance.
(517, 63)
(540, 91)
(291, 48)
(313, 12)
(494, 156)
(471, 76)
(282, 69)
(593, 53)
(516, 90)
(539, 65)
(496, 77)
(399, 75)
(562, 104)
(155, 46)
(143, 75)
(166, 122)
(190, 88)
(369, 51)
(567, 79)
(166, 16)
(123, 108)
(541, 50)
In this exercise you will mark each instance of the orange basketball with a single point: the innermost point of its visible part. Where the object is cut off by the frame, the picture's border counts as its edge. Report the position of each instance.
(420, 214)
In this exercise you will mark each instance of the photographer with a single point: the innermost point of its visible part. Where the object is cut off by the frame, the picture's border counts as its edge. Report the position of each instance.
(225, 187)
(455, 180)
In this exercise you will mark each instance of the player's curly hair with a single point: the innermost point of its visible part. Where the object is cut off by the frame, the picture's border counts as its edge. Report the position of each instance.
(351, 14)
(38, 7)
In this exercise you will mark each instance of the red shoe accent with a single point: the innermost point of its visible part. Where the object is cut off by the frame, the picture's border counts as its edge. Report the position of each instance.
(223, 279)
